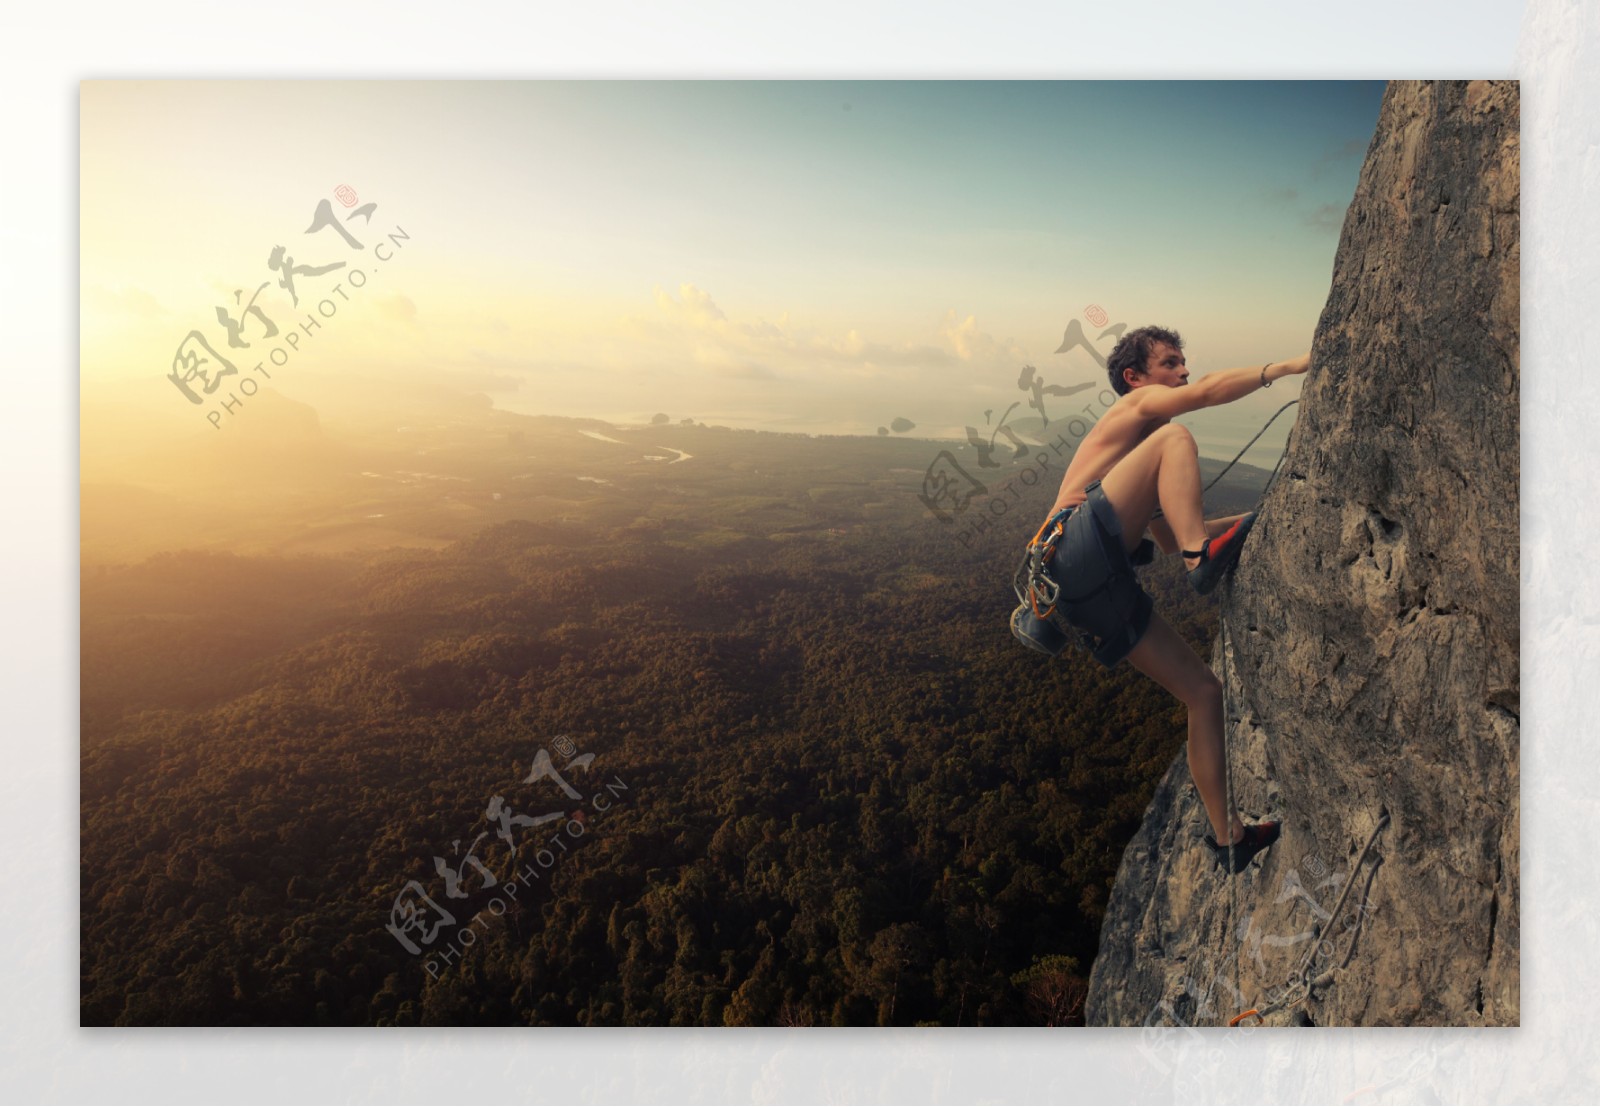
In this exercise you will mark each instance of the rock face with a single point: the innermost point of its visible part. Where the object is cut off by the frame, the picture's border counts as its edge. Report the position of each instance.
(1371, 634)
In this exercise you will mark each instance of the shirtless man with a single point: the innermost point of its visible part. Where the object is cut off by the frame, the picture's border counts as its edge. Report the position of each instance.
(1133, 459)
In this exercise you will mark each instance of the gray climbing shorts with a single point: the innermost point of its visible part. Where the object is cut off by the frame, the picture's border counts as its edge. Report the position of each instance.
(1100, 594)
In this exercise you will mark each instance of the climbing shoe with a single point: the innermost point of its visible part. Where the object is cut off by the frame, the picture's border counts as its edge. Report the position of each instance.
(1257, 837)
(1218, 555)
(1036, 633)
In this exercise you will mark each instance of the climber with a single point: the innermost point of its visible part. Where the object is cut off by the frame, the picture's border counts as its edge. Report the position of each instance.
(1131, 461)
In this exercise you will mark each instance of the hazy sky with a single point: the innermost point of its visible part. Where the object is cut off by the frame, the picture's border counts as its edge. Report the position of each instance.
(817, 256)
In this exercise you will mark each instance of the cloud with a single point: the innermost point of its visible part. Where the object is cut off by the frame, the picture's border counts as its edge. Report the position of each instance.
(852, 347)
(685, 352)
(749, 349)
(693, 324)
(762, 329)
(959, 337)
(861, 357)
(966, 342)
(397, 307)
(696, 308)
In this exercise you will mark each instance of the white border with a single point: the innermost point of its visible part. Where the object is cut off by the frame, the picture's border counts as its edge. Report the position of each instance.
(45, 51)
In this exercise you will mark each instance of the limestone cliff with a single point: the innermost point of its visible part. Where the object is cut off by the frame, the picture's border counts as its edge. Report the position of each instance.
(1371, 634)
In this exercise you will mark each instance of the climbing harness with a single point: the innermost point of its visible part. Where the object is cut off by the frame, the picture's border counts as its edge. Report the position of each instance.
(1300, 985)
(1032, 584)
(1108, 596)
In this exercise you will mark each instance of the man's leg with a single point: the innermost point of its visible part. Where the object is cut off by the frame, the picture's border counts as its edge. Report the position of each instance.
(1166, 658)
(1164, 469)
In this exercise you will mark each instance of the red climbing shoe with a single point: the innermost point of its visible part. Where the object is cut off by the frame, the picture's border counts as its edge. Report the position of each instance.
(1257, 837)
(1218, 555)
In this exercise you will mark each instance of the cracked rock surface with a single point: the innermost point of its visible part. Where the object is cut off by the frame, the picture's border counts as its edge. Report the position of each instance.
(1371, 634)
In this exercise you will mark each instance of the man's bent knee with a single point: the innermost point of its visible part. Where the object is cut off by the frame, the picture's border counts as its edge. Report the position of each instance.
(1174, 435)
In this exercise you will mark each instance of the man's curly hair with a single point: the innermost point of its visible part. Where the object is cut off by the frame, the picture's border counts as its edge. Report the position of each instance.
(1133, 352)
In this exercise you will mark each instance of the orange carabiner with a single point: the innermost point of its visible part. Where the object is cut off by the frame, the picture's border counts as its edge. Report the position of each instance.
(1237, 1019)
(1033, 602)
(1043, 527)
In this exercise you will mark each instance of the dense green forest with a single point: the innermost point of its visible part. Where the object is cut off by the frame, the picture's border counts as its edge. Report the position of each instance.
(818, 782)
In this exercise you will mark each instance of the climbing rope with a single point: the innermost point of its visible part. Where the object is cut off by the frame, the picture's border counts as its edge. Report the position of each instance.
(1268, 487)
(1273, 477)
(1222, 618)
(1246, 449)
(1227, 722)
(1299, 985)
(1298, 980)
(1227, 769)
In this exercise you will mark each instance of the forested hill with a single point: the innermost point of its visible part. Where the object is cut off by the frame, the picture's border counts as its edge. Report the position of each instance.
(813, 780)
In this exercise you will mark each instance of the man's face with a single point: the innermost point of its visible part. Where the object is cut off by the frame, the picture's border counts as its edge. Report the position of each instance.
(1165, 365)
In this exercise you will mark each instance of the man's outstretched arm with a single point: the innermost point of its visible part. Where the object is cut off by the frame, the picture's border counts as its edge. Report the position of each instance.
(1214, 389)
(1231, 384)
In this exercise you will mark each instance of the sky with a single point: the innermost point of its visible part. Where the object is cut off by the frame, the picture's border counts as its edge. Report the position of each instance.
(813, 256)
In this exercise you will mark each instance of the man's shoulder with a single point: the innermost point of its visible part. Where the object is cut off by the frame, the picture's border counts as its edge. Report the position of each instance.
(1128, 415)
(1139, 398)
(1165, 401)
